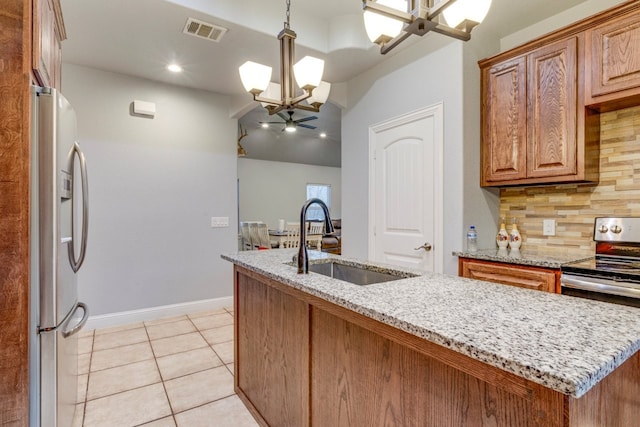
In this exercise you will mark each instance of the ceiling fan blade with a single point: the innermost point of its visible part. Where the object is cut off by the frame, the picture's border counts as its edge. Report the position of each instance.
(282, 116)
(306, 126)
(272, 123)
(306, 119)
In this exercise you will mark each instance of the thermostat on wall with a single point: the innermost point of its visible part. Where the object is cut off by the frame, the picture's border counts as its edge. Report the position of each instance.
(144, 107)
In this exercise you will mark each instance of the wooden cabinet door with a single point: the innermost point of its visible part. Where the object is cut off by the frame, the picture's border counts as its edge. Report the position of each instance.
(44, 42)
(272, 352)
(615, 56)
(504, 117)
(552, 130)
(508, 274)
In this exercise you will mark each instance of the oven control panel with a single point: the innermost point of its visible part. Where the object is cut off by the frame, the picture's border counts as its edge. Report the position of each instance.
(617, 229)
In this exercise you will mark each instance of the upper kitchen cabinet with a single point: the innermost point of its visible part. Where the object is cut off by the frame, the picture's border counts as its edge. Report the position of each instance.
(613, 63)
(48, 34)
(532, 126)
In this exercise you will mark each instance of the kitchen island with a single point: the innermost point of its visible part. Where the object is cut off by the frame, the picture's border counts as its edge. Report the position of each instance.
(427, 350)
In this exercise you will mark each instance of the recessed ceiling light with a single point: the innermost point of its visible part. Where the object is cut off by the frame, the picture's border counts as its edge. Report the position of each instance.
(174, 68)
(323, 135)
(265, 125)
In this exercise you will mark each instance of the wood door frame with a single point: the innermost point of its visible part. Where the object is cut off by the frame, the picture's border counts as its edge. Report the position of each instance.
(436, 111)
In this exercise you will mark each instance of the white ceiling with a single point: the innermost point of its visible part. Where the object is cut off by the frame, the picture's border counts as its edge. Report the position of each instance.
(140, 37)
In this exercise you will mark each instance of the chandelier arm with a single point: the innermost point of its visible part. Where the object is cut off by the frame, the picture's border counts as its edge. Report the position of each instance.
(267, 100)
(455, 32)
(314, 108)
(386, 48)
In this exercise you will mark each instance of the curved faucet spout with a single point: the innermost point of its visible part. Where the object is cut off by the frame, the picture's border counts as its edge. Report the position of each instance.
(303, 257)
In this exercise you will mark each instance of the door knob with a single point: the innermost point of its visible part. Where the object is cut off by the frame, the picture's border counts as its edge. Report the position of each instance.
(426, 247)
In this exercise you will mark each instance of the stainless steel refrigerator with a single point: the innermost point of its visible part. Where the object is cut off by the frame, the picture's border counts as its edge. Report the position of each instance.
(59, 221)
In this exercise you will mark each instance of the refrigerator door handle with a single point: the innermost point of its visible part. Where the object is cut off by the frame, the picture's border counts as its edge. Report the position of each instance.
(77, 262)
(76, 328)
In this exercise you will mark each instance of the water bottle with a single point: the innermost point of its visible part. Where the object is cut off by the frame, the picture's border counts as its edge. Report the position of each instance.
(472, 239)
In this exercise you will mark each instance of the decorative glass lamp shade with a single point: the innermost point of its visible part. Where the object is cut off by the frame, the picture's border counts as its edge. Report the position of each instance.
(320, 94)
(255, 77)
(308, 71)
(273, 91)
(472, 10)
(381, 28)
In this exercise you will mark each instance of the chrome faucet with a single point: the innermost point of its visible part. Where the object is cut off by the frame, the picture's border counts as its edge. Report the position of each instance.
(303, 257)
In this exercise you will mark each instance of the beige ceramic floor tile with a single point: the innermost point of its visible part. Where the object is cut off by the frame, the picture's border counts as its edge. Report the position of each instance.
(177, 344)
(119, 328)
(165, 320)
(119, 356)
(214, 321)
(85, 345)
(119, 339)
(218, 335)
(207, 313)
(231, 368)
(199, 388)
(78, 415)
(170, 329)
(82, 388)
(84, 333)
(83, 363)
(165, 422)
(188, 362)
(224, 351)
(123, 378)
(228, 412)
(130, 408)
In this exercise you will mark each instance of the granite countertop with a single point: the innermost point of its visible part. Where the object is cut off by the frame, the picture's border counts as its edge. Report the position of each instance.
(567, 344)
(533, 257)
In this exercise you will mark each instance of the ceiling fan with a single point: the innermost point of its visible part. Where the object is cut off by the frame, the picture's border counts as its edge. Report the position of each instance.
(290, 125)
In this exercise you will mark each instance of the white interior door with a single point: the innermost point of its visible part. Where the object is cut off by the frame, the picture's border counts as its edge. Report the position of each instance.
(406, 190)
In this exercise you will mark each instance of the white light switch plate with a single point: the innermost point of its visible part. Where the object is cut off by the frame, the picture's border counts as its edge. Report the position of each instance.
(549, 227)
(219, 221)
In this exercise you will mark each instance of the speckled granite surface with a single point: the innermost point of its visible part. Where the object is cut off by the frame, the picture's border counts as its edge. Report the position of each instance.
(567, 344)
(525, 257)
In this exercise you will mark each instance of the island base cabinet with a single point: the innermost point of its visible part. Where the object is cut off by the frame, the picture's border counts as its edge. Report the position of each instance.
(271, 353)
(303, 361)
(362, 379)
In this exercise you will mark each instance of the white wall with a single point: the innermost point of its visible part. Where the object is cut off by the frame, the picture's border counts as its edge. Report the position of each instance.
(276, 190)
(155, 184)
(426, 73)
(569, 16)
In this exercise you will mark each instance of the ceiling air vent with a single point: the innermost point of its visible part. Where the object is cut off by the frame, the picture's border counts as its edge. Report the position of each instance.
(204, 30)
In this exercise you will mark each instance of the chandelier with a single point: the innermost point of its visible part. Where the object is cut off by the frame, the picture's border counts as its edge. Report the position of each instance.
(390, 22)
(256, 78)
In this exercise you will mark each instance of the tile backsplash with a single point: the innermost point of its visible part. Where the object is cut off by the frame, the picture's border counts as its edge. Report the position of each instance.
(574, 207)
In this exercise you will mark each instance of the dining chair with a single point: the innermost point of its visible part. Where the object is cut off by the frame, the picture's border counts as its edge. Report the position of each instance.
(264, 242)
(246, 236)
(316, 227)
(293, 235)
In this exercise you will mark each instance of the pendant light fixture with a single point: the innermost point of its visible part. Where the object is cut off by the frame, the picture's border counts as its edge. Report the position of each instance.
(390, 22)
(307, 72)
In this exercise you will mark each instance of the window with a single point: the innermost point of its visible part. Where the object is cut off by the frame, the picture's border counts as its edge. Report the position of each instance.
(322, 192)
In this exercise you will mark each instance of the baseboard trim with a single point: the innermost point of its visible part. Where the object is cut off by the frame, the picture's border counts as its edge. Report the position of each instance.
(124, 317)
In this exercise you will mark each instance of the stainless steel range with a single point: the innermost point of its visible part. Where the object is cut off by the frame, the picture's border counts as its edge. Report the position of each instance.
(613, 275)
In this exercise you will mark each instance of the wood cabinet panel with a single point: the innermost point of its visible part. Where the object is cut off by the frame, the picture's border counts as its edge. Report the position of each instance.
(508, 274)
(363, 379)
(534, 128)
(272, 352)
(615, 56)
(505, 121)
(44, 42)
(552, 115)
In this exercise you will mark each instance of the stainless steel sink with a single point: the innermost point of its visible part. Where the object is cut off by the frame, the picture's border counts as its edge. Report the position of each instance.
(355, 274)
